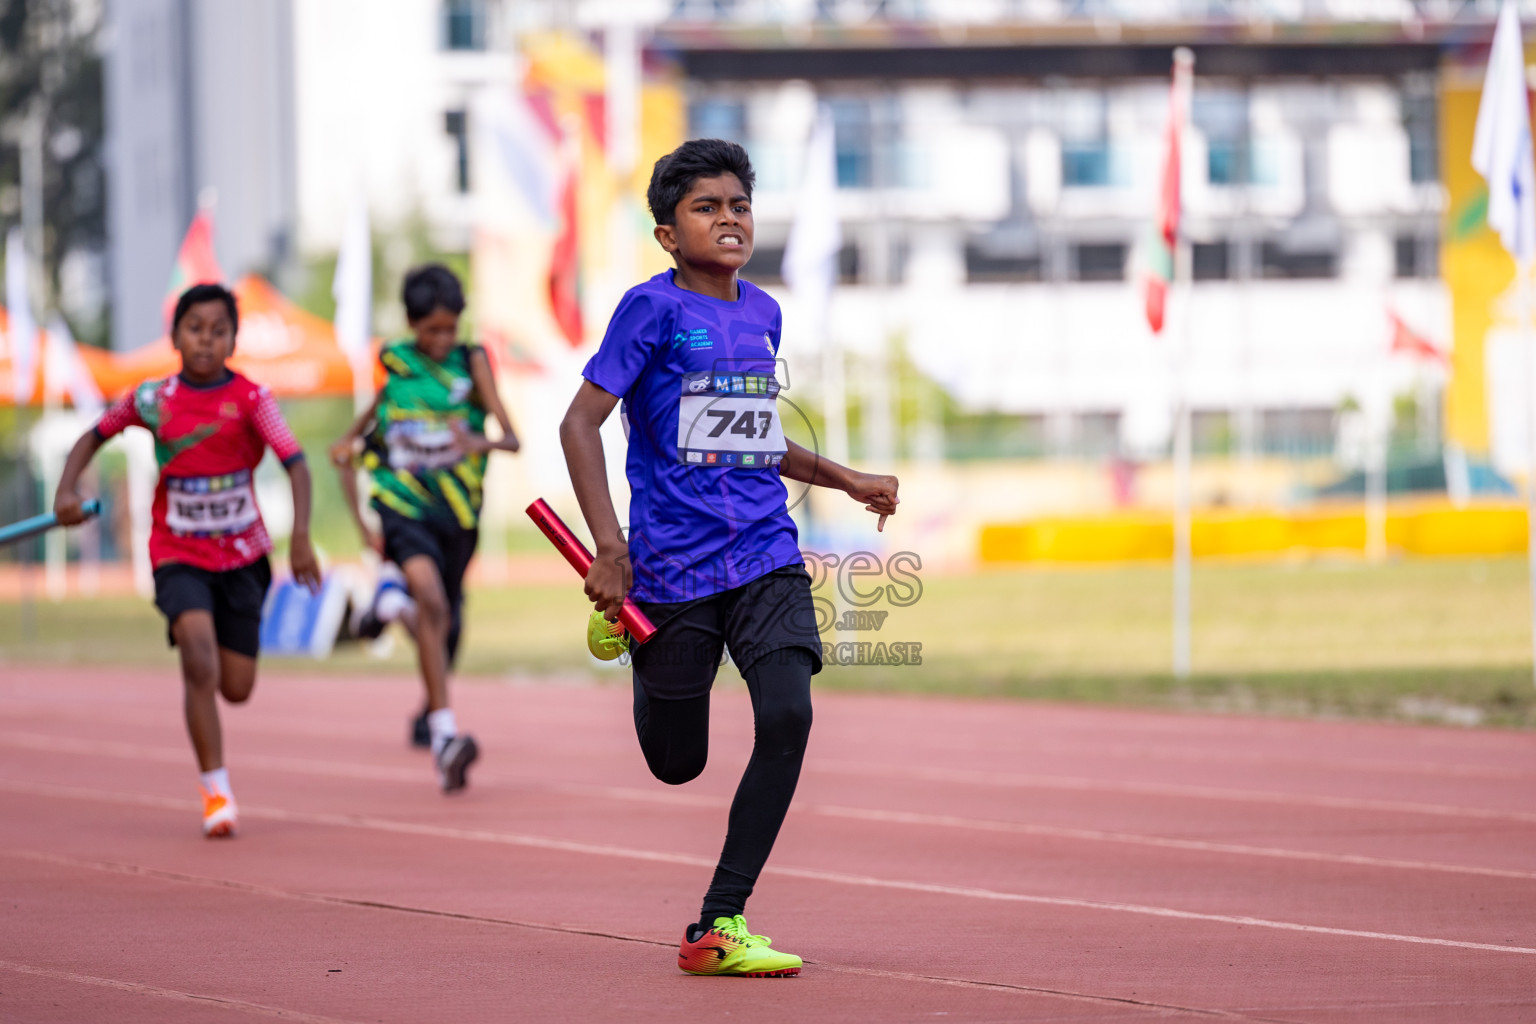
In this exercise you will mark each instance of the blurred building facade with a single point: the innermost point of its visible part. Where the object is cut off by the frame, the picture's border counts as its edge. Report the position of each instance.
(199, 109)
(997, 163)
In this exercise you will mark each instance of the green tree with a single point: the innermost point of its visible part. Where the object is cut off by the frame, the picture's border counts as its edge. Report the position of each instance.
(50, 59)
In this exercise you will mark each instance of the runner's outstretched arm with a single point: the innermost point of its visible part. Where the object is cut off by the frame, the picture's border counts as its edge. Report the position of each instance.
(347, 474)
(342, 450)
(490, 400)
(301, 553)
(66, 499)
(877, 492)
(610, 576)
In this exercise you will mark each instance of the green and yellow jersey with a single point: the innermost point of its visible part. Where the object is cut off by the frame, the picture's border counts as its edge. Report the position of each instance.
(416, 468)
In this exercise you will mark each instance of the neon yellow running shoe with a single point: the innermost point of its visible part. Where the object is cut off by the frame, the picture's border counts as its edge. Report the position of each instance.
(729, 949)
(606, 640)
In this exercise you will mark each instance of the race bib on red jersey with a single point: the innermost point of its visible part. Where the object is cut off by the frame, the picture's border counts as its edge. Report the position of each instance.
(210, 506)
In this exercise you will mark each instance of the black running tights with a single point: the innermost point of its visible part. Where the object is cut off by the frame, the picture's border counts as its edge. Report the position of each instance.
(674, 736)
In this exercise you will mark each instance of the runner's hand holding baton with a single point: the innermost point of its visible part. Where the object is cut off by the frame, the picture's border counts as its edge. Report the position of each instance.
(72, 514)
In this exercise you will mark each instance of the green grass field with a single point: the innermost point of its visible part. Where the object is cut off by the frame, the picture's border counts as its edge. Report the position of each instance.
(1431, 640)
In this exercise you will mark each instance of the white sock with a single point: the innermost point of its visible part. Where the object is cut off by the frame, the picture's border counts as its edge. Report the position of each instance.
(393, 603)
(217, 781)
(443, 727)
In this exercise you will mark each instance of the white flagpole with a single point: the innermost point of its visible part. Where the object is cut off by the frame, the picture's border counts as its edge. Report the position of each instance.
(1184, 67)
(1501, 153)
(1528, 343)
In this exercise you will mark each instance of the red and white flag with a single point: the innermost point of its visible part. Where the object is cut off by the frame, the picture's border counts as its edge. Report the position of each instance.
(1408, 341)
(1158, 273)
(196, 263)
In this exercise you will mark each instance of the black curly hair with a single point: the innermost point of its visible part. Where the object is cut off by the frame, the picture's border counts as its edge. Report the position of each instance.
(675, 173)
(428, 287)
(207, 293)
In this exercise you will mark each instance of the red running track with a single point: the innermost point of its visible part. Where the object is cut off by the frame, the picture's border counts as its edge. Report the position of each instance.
(944, 860)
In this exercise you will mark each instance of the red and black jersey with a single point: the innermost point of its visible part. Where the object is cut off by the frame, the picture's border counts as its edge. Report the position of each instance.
(208, 441)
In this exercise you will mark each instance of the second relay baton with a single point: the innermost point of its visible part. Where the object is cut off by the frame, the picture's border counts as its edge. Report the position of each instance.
(580, 558)
(43, 523)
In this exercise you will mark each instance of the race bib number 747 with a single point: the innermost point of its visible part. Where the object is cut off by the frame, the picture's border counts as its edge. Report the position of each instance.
(730, 420)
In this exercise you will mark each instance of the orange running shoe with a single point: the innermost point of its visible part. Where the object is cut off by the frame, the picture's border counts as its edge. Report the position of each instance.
(218, 815)
(730, 949)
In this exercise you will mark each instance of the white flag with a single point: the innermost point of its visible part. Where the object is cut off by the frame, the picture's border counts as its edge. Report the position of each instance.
(65, 374)
(352, 287)
(815, 237)
(1501, 147)
(23, 327)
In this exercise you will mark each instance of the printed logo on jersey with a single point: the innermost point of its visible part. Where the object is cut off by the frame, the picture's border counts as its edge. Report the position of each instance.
(694, 338)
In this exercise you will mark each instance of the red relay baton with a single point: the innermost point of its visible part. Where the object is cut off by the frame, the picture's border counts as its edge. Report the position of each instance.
(580, 558)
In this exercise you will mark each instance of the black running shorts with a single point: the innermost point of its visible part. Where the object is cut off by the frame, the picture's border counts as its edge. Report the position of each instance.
(754, 620)
(448, 544)
(234, 598)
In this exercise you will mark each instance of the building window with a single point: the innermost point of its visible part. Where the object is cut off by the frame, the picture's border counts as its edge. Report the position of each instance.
(1099, 262)
(456, 124)
(1221, 114)
(1085, 164)
(1087, 158)
(766, 267)
(718, 119)
(1421, 124)
(1226, 162)
(1417, 256)
(853, 126)
(1276, 261)
(1211, 261)
(984, 266)
(463, 24)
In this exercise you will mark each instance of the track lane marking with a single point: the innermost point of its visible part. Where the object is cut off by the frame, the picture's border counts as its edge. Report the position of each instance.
(1014, 780)
(141, 989)
(260, 721)
(138, 871)
(307, 766)
(368, 823)
(1021, 780)
(1133, 839)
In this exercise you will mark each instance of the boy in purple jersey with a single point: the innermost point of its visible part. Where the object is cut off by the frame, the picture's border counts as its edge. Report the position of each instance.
(712, 556)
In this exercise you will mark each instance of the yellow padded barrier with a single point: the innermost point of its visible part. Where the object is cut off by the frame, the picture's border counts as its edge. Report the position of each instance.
(1431, 527)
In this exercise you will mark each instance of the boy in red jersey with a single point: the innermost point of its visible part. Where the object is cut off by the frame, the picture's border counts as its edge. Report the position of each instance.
(207, 543)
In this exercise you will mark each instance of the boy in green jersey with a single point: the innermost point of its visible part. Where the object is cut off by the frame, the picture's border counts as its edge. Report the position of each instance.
(424, 446)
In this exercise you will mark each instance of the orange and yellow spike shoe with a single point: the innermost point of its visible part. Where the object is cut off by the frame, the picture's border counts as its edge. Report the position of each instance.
(219, 816)
(729, 949)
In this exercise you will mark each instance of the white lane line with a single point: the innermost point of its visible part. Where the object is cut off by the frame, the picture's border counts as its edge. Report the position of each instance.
(1201, 846)
(1227, 756)
(137, 871)
(368, 823)
(259, 722)
(1017, 780)
(308, 766)
(140, 989)
(1162, 1009)
(263, 723)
